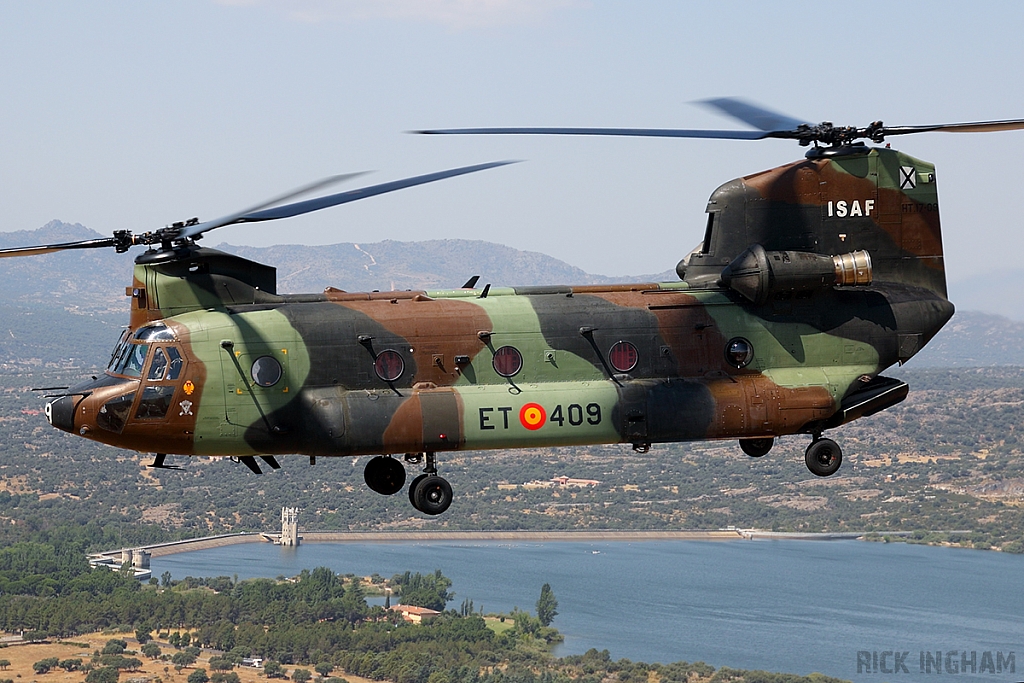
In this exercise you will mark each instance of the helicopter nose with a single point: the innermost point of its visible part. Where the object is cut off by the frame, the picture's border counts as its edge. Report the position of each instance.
(61, 413)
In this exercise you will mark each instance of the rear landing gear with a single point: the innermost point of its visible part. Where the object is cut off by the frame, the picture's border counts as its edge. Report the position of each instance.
(823, 457)
(430, 493)
(755, 448)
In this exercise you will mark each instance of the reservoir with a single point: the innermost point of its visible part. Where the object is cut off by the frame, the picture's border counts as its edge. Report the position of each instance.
(788, 606)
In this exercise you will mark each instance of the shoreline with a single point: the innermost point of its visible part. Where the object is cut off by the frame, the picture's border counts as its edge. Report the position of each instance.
(313, 536)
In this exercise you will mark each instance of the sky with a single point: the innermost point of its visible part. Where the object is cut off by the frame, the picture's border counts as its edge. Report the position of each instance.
(132, 115)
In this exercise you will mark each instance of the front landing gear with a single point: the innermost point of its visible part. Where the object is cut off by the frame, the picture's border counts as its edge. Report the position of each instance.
(823, 457)
(755, 448)
(384, 475)
(430, 493)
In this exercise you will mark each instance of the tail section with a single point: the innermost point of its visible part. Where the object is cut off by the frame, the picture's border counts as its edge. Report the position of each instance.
(837, 201)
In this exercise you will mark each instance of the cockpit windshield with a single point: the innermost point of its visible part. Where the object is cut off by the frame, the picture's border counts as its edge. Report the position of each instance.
(134, 360)
(129, 356)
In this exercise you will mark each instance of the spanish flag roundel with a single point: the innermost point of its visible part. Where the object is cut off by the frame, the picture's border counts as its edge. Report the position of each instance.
(532, 416)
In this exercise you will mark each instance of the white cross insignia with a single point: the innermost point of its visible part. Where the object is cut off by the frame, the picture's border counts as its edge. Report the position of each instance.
(908, 178)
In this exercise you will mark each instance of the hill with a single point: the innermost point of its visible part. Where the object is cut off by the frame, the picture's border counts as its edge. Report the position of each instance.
(83, 292)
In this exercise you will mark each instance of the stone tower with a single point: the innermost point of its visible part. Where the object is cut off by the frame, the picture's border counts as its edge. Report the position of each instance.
(289, 526)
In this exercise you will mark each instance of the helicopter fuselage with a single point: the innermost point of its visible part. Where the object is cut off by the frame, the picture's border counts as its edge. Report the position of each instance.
(408, 372)
(811, 280)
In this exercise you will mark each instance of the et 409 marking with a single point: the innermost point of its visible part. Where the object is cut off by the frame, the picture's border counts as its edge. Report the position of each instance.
(533, 416)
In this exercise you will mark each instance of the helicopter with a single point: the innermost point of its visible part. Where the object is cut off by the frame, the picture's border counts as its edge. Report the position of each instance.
(810, 281)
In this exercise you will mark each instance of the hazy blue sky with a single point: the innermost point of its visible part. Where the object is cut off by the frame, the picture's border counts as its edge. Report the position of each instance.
(135, 114)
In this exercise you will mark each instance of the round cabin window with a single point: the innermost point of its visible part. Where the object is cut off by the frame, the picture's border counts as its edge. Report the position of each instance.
(266, 371)
(507, 361)
(389, 365)
(739, 352)
(623, 356)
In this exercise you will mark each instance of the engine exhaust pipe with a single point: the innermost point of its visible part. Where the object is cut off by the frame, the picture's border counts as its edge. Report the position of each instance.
(758, 274)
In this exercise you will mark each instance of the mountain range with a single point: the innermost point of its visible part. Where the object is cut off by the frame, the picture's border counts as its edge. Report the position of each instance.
(67, 308)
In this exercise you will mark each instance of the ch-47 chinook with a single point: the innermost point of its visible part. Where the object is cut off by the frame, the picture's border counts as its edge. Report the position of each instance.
(811, 280)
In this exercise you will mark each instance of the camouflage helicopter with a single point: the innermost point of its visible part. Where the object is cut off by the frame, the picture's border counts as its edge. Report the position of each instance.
(811, 279)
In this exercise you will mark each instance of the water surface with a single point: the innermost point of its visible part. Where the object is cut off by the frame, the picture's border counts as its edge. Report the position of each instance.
(792, 606)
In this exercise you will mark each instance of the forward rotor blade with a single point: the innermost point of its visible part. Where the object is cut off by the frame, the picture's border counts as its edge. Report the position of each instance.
(754, 115)
(299, 208)
(974, 127)
(624, 132)
(51, 248)
(200, 228)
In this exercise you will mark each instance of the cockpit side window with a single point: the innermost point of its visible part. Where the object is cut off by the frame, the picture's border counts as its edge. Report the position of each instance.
(157, 365)
(176, 363)
(155, 402)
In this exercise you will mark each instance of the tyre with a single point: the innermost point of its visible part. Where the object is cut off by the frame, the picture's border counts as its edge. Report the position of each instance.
(412, 488)
(384, 475)
(755, 448)
(823, 457)
(432, 495)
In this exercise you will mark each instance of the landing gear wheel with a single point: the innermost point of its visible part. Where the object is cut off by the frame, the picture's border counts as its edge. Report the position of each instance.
(755, 448)
(384, 475)
(413, 485)
(432, 495)
(823, 457)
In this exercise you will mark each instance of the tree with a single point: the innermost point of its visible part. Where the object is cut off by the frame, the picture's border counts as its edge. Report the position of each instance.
(301, 675)
(70, 664)
(221, 664)
(547, 605)
(44, 665)
(225, 677)
(183, 659)
(4, 663)
(143, 635)
(151, 650)
(273, 669)
(323, 668)
(198, 676)
(114, 646)
(103, 674)
(165, 579)
(424, 590)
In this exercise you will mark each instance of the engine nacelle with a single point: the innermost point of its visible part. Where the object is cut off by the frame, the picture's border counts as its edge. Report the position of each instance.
(758, 274)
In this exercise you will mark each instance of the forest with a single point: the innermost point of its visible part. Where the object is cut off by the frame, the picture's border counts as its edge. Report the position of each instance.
(944, 465)
(317, 620)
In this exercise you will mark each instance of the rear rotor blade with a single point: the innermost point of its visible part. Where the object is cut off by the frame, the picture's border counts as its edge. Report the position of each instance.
(974, 127)
(624, 132)
(299, 208)
(51, 248)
